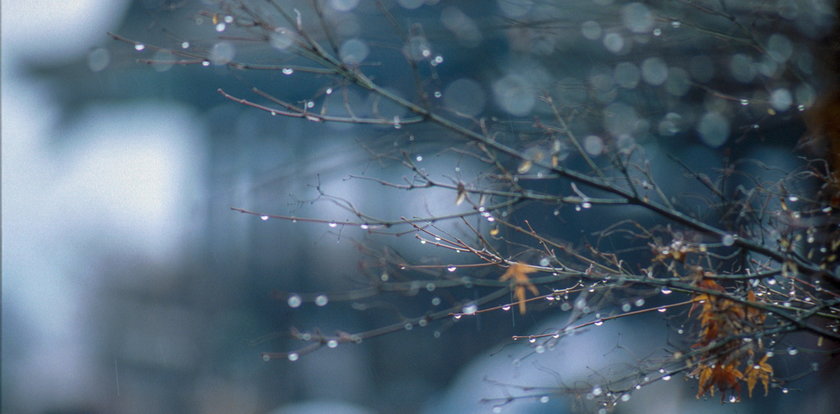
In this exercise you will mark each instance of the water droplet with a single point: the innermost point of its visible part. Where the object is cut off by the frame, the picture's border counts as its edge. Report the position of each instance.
(657, 31)
(597, 391)
(185, 45)
(364, 226)
(680, 331)
(639, 302)
(625, 307)
(228, 19)
(408, 326)
(676, 24)
(419, 158)
(666, 378)
(266, 357)
(666, 291)
(220, 27)
(785, 390)
(456, 316)
(728, 240)
(532, 340)
(540, 349)
(322, 300)
(293, 356)
(544, 399)
(470, 309)
(139, 47)
(287, 71)
(435, 301)
(792, 351)
(506, 307)
(662, 310)
(451, 268)
(294, 301)
(599, 322)
(438, 94)
(793, 198)
(745, 102)
(205, 63)
(422, 323)
(333, 225)
(396, 122)
(332, 343)
(263, 218)
(437, 60)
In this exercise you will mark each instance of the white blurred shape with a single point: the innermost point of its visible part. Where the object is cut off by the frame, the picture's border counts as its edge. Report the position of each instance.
(49, 31)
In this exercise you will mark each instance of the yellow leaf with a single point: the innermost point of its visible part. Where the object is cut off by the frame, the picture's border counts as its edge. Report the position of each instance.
(517, 273)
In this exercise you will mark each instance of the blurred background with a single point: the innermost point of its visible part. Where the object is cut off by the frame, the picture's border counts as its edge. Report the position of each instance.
(128, 284)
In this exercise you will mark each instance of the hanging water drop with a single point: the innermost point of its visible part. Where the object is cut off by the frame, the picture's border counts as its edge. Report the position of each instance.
(322, 300)
(332, 343)
(185, 45)
(666, 291)
(470, 309)
(139, 47)
(451, 268)
(728, 240)
(288, 71)
(294, 356)
(506, 307)
(333, 225)
(264, 218)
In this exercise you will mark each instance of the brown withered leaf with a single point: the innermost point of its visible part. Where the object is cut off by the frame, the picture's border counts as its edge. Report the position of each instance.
(762, 371)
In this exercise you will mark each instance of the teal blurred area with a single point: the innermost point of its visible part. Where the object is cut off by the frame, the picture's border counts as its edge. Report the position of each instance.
(129, 286)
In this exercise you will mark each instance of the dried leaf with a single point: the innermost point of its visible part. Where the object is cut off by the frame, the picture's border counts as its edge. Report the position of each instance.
(517, 273)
